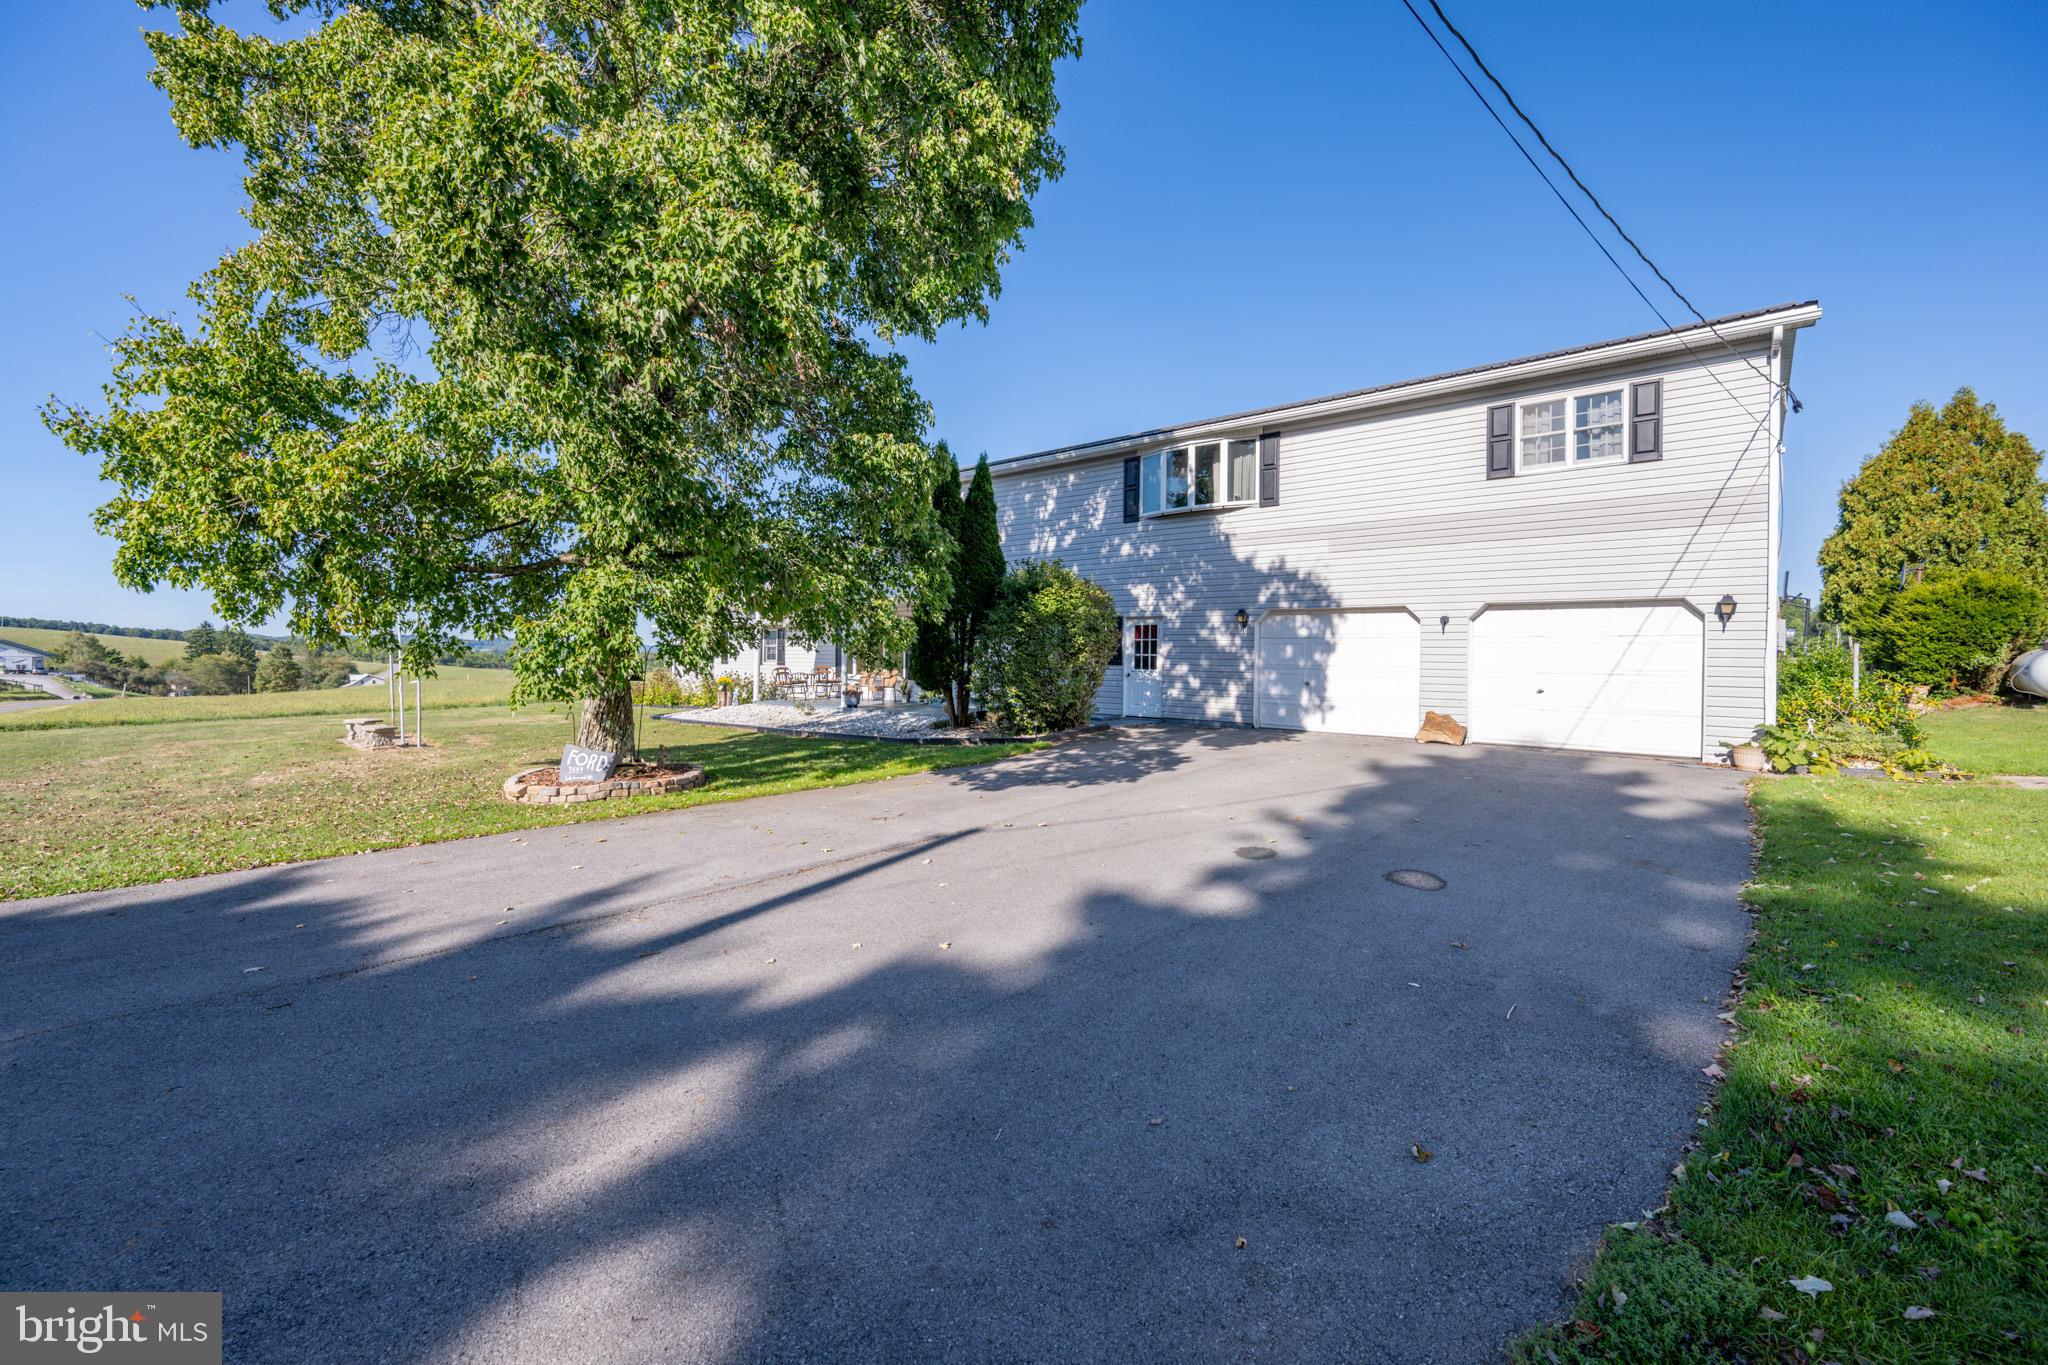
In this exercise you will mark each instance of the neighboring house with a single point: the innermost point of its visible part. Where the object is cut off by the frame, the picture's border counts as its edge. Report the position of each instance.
(782, 648)
(16, 658)
(1542, 548)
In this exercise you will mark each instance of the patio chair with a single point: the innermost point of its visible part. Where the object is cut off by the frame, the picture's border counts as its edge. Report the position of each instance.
(824, 679)
(783, 681)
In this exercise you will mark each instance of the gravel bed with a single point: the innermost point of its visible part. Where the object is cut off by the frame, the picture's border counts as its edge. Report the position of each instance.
(914, 722)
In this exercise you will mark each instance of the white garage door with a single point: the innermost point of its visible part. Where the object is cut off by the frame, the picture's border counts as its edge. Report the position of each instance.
(1358, 672)
(1621, 679)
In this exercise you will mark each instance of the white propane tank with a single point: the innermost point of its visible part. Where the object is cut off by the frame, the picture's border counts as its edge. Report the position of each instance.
(2030, 673)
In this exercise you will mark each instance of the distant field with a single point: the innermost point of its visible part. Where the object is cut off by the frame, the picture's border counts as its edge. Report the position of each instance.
(134, 646)
(452, 687)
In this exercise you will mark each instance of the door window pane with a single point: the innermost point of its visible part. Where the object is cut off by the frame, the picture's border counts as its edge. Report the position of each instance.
(1176, 479)
(1145, 646)
(1206, 459)
(1244, 470)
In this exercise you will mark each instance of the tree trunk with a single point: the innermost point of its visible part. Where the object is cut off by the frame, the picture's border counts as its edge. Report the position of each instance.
(605, 723)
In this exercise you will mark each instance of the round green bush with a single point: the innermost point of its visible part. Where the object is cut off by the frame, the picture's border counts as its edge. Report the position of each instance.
(1043, 648)
(1959, 628)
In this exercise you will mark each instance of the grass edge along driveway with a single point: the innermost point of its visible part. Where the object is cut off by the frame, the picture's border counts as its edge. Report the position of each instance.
(93, 808)
(1889, 1056)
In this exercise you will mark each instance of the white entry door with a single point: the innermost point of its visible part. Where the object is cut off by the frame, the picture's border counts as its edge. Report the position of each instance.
(1624, 679)
(1141, 666)
(1357, 672)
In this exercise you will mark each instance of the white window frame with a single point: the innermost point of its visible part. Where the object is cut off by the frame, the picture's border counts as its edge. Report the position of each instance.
(1154, 466)
(1570, 398)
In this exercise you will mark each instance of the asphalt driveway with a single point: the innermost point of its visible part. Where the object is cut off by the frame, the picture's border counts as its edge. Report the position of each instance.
(991, 1065)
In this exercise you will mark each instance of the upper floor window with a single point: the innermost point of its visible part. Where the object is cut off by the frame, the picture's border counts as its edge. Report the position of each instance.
(1576, 429)
(1192, 477)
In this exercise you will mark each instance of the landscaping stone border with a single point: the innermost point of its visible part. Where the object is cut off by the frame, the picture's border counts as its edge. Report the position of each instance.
(521, 788)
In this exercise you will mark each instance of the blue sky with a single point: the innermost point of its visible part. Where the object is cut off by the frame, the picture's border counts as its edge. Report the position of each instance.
(1261, 203)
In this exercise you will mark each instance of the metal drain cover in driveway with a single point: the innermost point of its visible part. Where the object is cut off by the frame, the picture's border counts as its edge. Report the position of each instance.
(1255, 852)
(1415, 879)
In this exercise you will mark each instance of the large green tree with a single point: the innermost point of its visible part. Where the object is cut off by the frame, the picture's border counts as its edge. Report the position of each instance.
(971, 568)
(1953, 488)
(202, 639)
(562, 317)
(279, 670)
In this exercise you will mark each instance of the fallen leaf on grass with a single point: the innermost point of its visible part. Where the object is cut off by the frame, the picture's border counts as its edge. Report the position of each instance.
(1713, 1071)
(1811, 1285)
(1421, 1153)
(1619, 1297)
(1895, 1064)
(1902, 1220)
(1770, 1314)
(1916, 1313)
(1944, 1185)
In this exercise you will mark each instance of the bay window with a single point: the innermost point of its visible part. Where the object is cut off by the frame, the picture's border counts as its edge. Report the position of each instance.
(1205, 474)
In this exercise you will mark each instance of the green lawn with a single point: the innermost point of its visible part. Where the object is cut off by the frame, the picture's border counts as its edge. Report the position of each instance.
(101, 806)
(1991, 739)
(451, 687)
(1893, 1038)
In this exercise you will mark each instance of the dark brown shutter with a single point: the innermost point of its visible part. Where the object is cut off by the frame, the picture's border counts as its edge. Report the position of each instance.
(1269, 469)
(1500, 441)
(1131, 488)
(1116, 660)
(1646, 421)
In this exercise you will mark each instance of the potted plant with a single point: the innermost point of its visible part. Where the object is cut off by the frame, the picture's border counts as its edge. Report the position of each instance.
(1747, 755)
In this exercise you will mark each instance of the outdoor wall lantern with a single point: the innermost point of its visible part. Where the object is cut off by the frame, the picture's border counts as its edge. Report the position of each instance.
(1244, 618)
(1724, 610)
(1443, 624)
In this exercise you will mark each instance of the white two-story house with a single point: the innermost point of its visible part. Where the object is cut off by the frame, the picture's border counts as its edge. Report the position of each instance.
(1574, 550)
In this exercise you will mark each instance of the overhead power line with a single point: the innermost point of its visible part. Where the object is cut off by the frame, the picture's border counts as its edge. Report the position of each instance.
(1594, 199)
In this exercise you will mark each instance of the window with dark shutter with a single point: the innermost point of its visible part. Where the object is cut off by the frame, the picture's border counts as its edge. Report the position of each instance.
(1269, 469)
(1646, 421)
(1131, 488)
(1500, 441)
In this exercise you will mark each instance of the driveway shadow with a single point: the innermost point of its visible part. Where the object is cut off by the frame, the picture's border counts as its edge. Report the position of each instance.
(1015, 1091)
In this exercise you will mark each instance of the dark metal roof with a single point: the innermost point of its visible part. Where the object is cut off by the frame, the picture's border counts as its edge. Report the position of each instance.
(1249, 413)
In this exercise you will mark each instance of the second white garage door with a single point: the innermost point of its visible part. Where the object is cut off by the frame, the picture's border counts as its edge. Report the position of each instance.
(1358, 672)
(1623, 679)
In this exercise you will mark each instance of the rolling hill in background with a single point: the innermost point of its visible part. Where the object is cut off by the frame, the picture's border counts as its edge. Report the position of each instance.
(138, 646)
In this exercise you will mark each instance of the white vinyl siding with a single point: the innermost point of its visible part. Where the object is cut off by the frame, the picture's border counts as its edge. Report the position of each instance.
(1393, 509)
